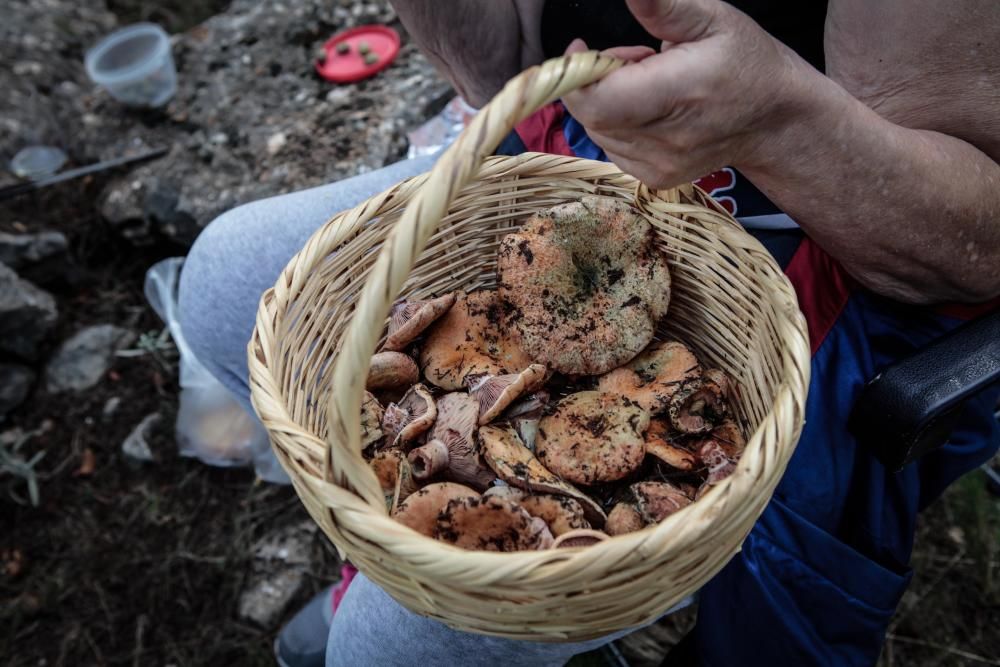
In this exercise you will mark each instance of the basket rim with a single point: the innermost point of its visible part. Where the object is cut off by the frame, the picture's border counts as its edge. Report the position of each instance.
(393, 537)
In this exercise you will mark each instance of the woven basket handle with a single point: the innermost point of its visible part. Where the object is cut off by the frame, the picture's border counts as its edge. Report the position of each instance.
(521, 97)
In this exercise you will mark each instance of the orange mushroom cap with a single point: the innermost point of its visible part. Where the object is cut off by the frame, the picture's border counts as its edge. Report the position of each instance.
(587, 283)
(654, 376)
(624, 518)
(472, 338)
(405, 421)
(491, 524)
(506, 454)
(592, 437)
(660, 444)
(389, 370)
(421, 508)
(658, 500)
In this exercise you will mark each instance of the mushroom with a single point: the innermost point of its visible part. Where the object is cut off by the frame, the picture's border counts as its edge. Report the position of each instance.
(513, 463)
(581, 537)
(420, 510)
(561, 513)
(406, 485)
(385, 465)
(720, 451)
(455, 428)
(592, 437)
(624, 518)
(491, 524)
(371, 421)
(661, 445)
(654, 376)
(697, 406)
(587, 285)
(472, 338)
(658, 500)
(496, 392)
(391, 369)
(529, 406)
(428, 460)
(408, 319)
(403, 422)
(505, 491)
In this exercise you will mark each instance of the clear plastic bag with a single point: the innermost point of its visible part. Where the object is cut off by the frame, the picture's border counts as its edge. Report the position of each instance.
(441, 130)
(211, 425)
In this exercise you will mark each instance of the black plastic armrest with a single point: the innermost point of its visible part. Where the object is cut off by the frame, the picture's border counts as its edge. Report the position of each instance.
(910, 407)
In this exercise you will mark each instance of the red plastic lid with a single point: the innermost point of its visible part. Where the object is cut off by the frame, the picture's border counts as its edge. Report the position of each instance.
(350, 66)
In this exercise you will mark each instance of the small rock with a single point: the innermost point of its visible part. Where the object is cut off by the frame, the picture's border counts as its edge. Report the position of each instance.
(276, 142)
(280, 565)
(82, 361)
(27, 314)
(17, 250)
(264, 602)
(136, 446)
(110, 408)
(15, 383)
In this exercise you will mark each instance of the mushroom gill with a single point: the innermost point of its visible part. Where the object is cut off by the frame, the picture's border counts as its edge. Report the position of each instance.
(698, 406)
(456, 429)
(408, 319)
(496, 392)
(405, 421)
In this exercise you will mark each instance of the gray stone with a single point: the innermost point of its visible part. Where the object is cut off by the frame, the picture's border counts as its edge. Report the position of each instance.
(279, 568)
(15, 383)
(82, 361)
(136, 445)
(17, 250)
(27, 315)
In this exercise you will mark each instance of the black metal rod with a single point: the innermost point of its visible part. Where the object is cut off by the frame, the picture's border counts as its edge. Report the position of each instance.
(21, 188)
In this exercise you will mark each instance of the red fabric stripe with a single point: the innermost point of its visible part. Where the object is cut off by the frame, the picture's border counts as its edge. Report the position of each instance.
(823, 288)
(542, 131)
(968, 311)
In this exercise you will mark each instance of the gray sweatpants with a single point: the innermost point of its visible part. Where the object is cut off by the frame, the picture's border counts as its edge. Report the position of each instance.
(232, 262)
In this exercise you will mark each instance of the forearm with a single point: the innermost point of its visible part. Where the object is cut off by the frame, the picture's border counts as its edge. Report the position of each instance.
(911, 214)
(478, 45)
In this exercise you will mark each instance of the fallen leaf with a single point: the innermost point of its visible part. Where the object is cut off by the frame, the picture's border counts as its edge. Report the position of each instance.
(88, 464)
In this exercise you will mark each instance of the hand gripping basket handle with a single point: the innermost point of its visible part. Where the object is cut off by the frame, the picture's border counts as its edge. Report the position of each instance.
(521, 97)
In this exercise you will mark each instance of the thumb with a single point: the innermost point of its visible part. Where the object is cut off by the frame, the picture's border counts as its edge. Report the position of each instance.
(677, 21)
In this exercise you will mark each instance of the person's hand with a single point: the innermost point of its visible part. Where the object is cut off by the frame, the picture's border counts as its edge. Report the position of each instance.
(720, 92)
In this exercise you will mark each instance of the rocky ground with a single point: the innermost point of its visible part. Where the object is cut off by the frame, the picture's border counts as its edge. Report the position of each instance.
(113, 548)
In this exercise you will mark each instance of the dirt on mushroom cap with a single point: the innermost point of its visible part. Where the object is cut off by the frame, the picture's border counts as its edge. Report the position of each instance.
(491, 524)
(586, 283)
(513, 463)
(561, 513)
(658, 500)
(654, 376)
(421, 508)
(592, 437)
(472, 338)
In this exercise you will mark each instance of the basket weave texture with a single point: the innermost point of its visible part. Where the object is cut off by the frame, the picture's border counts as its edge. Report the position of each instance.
(319, 325)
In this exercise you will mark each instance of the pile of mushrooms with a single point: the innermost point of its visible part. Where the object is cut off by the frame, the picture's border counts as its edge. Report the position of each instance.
(543, 414)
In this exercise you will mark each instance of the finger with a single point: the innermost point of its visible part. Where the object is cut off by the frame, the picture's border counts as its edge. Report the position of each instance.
(630, 53)
(631, 96)
(577, 46)
(677, 20)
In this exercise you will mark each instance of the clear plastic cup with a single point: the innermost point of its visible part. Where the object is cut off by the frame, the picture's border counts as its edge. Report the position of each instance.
(135, 65)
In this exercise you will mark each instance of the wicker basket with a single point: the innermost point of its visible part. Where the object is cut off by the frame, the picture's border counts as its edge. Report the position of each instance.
(319, 325)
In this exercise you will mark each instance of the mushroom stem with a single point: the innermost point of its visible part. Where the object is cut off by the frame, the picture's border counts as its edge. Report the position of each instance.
(428, 460)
